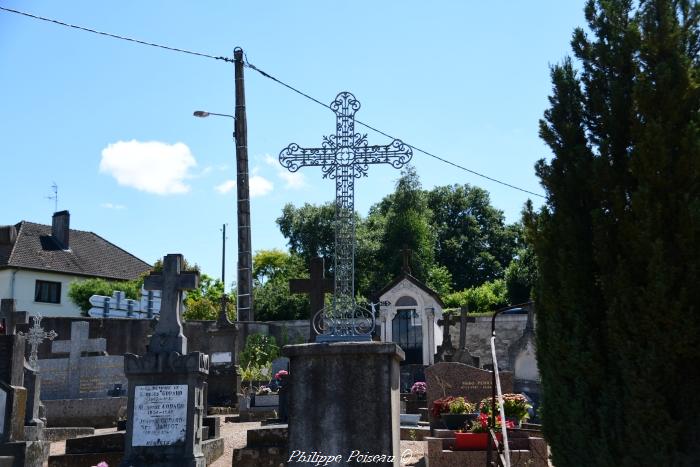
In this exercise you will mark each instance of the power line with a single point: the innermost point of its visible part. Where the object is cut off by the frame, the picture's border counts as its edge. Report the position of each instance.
(366, 125)
(115, 36)
(267, 75)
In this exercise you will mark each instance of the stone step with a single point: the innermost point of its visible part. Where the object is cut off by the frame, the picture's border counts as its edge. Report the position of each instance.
(212, 449)
(7, 461)
(102, 443)
(92, 458)
(260, 457)
(213, 425)
(271, 435)
(64, 433)
(221, 410)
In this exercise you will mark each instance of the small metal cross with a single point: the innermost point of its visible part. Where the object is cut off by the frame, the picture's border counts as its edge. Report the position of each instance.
(344, 157)
(35, 336)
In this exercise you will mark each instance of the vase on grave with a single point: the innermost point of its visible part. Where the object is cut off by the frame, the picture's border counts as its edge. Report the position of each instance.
(454, 421)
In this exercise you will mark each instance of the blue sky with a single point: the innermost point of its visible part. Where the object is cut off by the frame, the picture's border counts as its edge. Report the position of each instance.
(111, 121)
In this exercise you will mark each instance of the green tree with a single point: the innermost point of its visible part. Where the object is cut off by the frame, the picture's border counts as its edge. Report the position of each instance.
(473, 241)
(483, 298)
(617, 242)
(272, 270)
(407, 225)
(520, 276)
(309, 230)
(204, 302)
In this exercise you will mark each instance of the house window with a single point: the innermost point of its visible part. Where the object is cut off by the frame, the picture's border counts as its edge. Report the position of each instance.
(47, 292)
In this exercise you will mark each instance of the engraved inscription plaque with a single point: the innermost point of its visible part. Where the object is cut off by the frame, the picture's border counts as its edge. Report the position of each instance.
(220, 358)
(160, 413)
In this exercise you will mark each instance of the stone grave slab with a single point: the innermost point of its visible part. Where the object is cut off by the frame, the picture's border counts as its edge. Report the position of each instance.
(91, 377)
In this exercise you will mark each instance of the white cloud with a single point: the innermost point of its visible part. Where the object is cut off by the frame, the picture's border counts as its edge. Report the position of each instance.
(112, 206)
(292, 180)
(259, 186)
(151, 166)
(226, 186)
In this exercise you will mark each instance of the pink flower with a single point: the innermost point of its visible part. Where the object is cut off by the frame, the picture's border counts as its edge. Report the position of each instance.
(281, 373)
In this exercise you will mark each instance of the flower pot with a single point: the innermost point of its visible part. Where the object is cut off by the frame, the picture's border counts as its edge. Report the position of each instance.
(473, 441)
(409, 419)
(454, 421)
(266, 400)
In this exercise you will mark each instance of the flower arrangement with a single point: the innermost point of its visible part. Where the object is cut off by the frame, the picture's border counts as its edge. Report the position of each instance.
(514, 406)
(281, 374)
(419, 387)
(481, 425)
(441, 406)
(460, 405)
(264, 391)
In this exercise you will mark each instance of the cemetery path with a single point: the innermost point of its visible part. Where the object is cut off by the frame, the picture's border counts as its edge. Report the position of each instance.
(234, 435)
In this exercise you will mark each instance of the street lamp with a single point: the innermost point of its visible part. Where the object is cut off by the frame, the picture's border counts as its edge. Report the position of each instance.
(244, 283)
(205, 114)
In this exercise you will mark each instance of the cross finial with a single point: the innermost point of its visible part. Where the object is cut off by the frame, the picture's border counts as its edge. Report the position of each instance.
(406, 253)
(344, 157)
(171, 282)
(35, 336)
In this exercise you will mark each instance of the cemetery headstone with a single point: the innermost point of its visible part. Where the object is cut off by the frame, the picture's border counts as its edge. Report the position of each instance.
(317, 286)
(445, 350)
(118, 306)
(457, 379)
(222, 382)
(35, 336)
(10, 317)
(78, 376)
(167, 385)
(462, 354)
(25, 444)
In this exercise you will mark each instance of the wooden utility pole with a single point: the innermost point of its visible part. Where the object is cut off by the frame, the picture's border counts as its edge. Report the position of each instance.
(223, 317)
(245, 257)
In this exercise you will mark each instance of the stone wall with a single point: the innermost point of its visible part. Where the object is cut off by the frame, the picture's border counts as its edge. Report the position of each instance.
(131, 335)
(509, 329)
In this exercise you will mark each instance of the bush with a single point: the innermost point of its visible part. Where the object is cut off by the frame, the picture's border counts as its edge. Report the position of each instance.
(259, 351)
(80, 291)
(489, 296)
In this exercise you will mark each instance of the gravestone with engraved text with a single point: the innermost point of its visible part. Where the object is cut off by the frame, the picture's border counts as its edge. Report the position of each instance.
(457, 379)
(167, 384)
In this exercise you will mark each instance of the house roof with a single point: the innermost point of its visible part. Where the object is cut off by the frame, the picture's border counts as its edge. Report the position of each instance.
(89, 254)
(397, 280)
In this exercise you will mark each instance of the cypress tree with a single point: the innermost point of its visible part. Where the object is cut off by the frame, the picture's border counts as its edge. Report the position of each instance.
(618, 242)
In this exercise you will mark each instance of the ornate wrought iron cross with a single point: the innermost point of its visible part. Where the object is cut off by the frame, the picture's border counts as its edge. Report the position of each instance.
(36, 336)
(344, 157)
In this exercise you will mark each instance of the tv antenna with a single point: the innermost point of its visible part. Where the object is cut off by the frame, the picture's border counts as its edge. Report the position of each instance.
(54, 197)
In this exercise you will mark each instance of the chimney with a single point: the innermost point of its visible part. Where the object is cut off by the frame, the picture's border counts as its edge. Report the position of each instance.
(60, 228)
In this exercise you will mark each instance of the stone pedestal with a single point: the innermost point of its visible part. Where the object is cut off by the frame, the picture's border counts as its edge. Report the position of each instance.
(344, 401)
(166, 405)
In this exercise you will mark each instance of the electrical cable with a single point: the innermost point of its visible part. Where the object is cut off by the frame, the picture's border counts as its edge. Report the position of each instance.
(115, 36)
(266, 75)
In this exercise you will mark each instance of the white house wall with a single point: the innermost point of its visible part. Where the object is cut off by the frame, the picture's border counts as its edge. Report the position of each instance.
(25, 286)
